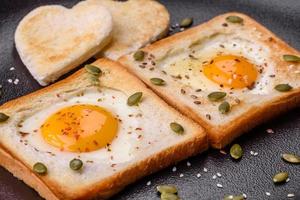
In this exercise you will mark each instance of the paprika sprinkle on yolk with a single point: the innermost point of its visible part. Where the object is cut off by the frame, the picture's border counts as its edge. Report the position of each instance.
(80, 128)
(231, 71)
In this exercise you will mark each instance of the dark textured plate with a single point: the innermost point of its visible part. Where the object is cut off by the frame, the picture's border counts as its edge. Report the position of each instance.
(251, 175)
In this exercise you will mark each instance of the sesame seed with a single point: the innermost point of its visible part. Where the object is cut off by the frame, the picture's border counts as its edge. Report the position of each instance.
(182, 29)
(149, 183)
(219, 185)
(252, 152)
(218, 174)
(12, 68)
(270, 131)
(223, 152)
(9, 80)
(214, 177)
(245, 196)
(174, 169)
(16, 81)
(198, 175)
(188, 164)
(181, 175)
(204, 169)
(290, 195)
(287, 180)
(255, 153)
(268, 193)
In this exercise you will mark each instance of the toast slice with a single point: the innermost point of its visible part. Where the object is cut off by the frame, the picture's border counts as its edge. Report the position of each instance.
(130, 156)
(135, 24)
(52, 40)
(181, 61)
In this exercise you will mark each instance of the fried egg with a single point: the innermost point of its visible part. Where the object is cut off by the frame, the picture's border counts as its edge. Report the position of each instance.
(88, 124)
(223, 63)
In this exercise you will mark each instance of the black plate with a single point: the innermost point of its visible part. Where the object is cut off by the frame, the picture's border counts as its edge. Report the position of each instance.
(252, 175)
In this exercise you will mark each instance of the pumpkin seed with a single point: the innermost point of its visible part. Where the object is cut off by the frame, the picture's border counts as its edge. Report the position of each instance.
(234, 19)
(3, 117)
(134, 99)
(157, 81)
(280, 177)
(283, 87)
(40, 168)
(224, 107)
(139, 56)
(177, 128)
(166, 189)
(291, 158)
(232, 197)
(186, 22)
(291, 58)
(93, 70)
(168, 196)
(236, 151)
(76, 164)
(216, 96)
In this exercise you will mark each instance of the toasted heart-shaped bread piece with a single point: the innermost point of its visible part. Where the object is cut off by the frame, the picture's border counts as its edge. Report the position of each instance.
(116, 128)
(136, 23)
(229, 74)
(52, 40)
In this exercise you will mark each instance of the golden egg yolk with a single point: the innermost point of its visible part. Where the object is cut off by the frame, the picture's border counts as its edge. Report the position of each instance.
(80, 128)
(231, 71)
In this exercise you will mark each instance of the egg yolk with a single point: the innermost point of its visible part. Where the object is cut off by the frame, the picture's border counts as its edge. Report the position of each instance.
(231, 71)
(80, 128)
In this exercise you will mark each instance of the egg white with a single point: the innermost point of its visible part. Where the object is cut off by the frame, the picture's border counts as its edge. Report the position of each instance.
(188, 65)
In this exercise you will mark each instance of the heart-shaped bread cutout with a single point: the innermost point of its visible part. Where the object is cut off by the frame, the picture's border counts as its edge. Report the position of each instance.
(136, 24)
(52, 40)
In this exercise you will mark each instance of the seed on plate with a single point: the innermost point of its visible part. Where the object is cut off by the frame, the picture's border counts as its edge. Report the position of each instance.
(166, 189)
(291, 58)
(290, 195)
(139, 55)
(268, 193)
(157, 81)
(232, 197)
(224, 107)
(236, 151)
(177, 128)
(291, 158)
(134, 99)
(216, 96)
(186, 22)
(148, 183)
(205, 169)
(219, 185)
(40, 168)
(234, 19)
(3, 117)
(174, 169)
(198, 175)
(168, 196)
(93, 70)
(76, 164)
(283, 87)
(280, 177)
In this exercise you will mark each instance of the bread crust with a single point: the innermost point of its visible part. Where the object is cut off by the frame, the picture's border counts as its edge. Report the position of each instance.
(220, 136)
(107, 187)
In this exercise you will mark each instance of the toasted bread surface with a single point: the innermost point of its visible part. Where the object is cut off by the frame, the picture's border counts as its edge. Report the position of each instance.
(158, 148)
(136, 23)
(52, 40)
(250, 106)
